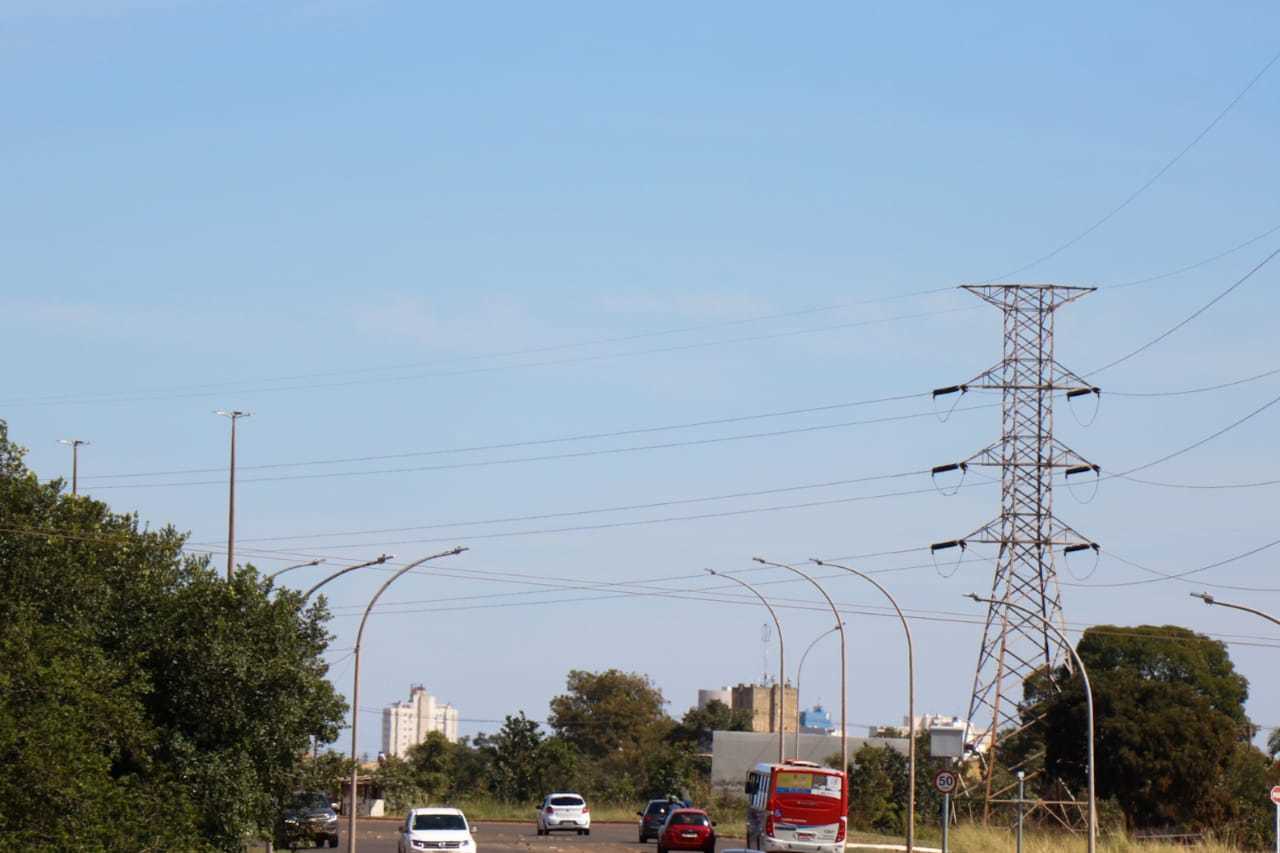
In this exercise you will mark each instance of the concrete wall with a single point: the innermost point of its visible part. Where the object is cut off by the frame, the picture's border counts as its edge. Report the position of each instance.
(733, 754)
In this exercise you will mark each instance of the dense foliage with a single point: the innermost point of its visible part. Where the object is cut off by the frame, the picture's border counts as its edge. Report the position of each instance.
(610, 739)
(1173, 740)
(145, 702)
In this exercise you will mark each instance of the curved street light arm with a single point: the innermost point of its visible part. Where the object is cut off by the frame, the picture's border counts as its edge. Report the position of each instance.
(355, 686)
(844, 663)
(782, 755)
(279, 572)
(799, 673)
(1209, 599)
(911, 698)
(1088, 695)
(382, 558)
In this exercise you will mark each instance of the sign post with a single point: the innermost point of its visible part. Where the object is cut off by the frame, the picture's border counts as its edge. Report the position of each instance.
(945, 782)
(1275, 798)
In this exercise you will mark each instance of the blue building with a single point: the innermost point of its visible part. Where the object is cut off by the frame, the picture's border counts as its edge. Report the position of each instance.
(816, 720)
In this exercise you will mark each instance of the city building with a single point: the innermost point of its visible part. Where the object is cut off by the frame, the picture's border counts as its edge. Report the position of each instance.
(762, 701)
(816, 721)
(405, 724)
(723, 695)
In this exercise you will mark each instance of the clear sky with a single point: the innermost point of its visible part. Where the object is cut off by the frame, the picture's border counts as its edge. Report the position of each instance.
(394, 228)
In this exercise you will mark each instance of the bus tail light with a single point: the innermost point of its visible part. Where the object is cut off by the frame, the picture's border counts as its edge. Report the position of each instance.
(768, 826)
(840, 831)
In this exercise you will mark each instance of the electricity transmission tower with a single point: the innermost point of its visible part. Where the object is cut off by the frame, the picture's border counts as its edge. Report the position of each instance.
(1014, 645)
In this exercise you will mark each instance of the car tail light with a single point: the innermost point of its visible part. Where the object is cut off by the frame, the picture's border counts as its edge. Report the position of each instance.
(840, 831)
(586, 809)
(550, 810)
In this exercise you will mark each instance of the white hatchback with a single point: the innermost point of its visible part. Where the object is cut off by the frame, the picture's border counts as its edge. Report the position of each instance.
(436, 829)
(564, 813)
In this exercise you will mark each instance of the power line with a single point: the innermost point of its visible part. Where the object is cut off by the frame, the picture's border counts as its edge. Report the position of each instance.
(1179, 575)
(1194, 265)
(506, 445)
(1207, 486)
(577, 454)
(1192, 316)
(1129, 199)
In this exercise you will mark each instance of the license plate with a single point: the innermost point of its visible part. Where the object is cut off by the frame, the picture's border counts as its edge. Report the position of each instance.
(688, 835)
(804, 836)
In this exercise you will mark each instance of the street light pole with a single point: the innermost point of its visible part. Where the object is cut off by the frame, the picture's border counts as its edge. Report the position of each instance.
(1209, 599)
(234, 415)
(911, 698)
(278, 572)
(1088, 695)
(355, 686)
(382, 558)
(782, 678)
(844, 665)
(75, 444)
(799, 673)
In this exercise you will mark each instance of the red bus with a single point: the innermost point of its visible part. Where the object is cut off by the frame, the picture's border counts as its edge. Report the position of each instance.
(797, 806)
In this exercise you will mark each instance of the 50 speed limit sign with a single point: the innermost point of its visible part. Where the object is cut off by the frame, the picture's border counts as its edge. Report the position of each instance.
(945, 781)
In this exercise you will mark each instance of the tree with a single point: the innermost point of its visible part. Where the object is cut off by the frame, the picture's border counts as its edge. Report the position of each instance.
(144, 700)
(399, 784)
(1172, 735)
(605, 712)
(432, 763)
(514, 759)
(1273, 743)
(695, 728)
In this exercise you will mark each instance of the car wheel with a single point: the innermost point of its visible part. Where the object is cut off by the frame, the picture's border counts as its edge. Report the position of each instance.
(642, 838)
(586, 832)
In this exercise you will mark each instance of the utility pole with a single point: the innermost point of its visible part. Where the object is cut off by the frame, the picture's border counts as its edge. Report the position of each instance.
(234, 415)
(1017, 639)
(75, 445)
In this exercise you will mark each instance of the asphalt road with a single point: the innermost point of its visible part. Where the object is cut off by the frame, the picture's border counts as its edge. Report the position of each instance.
(378, 836)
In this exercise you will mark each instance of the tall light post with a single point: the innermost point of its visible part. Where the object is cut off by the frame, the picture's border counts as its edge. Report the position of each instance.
(911, 698)
(799, 674)
(234, 415)
(75, 444)
(355, 686)
(844, 666)
(1209, 599)
(782, 670)
(377, 561)
(1088, 696)
(279, 572)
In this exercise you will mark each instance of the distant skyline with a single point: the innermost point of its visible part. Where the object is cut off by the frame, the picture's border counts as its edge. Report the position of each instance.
(612, 296)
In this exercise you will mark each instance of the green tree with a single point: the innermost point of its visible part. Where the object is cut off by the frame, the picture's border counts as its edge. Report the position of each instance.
(1172, 735)
(144, 700)
(399, 784)
(515, 775)
(432, 763)
(1273, 743)
(605, 712)
(695, 727)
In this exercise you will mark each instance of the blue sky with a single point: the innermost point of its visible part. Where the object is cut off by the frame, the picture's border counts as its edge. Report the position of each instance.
(377, 198)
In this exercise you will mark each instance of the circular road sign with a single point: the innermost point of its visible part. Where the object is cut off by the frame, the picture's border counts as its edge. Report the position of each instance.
(945, 781)
(1275, 795)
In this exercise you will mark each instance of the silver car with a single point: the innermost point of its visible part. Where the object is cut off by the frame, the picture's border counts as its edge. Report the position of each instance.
(564, 813)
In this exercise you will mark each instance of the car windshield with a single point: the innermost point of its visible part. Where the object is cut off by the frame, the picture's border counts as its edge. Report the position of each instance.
(689, 820)
(309, 801)
(439, 821)
(566, 801)
(659, 808)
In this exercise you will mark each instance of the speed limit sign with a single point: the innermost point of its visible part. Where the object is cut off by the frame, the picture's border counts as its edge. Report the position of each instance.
(945, 781)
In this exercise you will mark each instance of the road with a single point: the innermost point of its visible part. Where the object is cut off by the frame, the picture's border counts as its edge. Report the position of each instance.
(379, 836)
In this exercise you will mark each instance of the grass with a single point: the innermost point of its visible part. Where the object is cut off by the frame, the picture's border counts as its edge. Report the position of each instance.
(977, 839)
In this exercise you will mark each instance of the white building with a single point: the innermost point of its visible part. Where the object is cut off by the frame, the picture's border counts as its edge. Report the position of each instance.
(724, 696)
(405, 724)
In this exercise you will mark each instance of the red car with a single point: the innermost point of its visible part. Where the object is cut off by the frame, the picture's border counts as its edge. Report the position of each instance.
(687, 829)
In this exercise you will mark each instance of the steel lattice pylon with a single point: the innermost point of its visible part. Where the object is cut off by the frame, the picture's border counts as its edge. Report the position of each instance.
(1014, 645)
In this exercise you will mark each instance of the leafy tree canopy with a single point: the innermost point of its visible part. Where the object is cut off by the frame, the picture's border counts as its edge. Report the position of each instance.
(609, 711)
(144, 700)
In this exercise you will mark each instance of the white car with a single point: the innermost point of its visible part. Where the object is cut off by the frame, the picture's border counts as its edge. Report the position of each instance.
(564, 813)
(436, 829)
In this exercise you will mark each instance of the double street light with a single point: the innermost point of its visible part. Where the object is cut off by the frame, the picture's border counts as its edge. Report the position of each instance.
(911, 697)
(800, 673)
(844, 666)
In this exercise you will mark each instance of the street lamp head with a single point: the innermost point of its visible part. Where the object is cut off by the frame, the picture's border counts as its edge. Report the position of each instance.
(973, 595)
(382, 558)
(1204, 596)
(710, 571)
(816, 561)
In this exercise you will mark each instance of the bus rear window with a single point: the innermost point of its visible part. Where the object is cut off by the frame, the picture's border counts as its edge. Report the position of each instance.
(812, 784)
